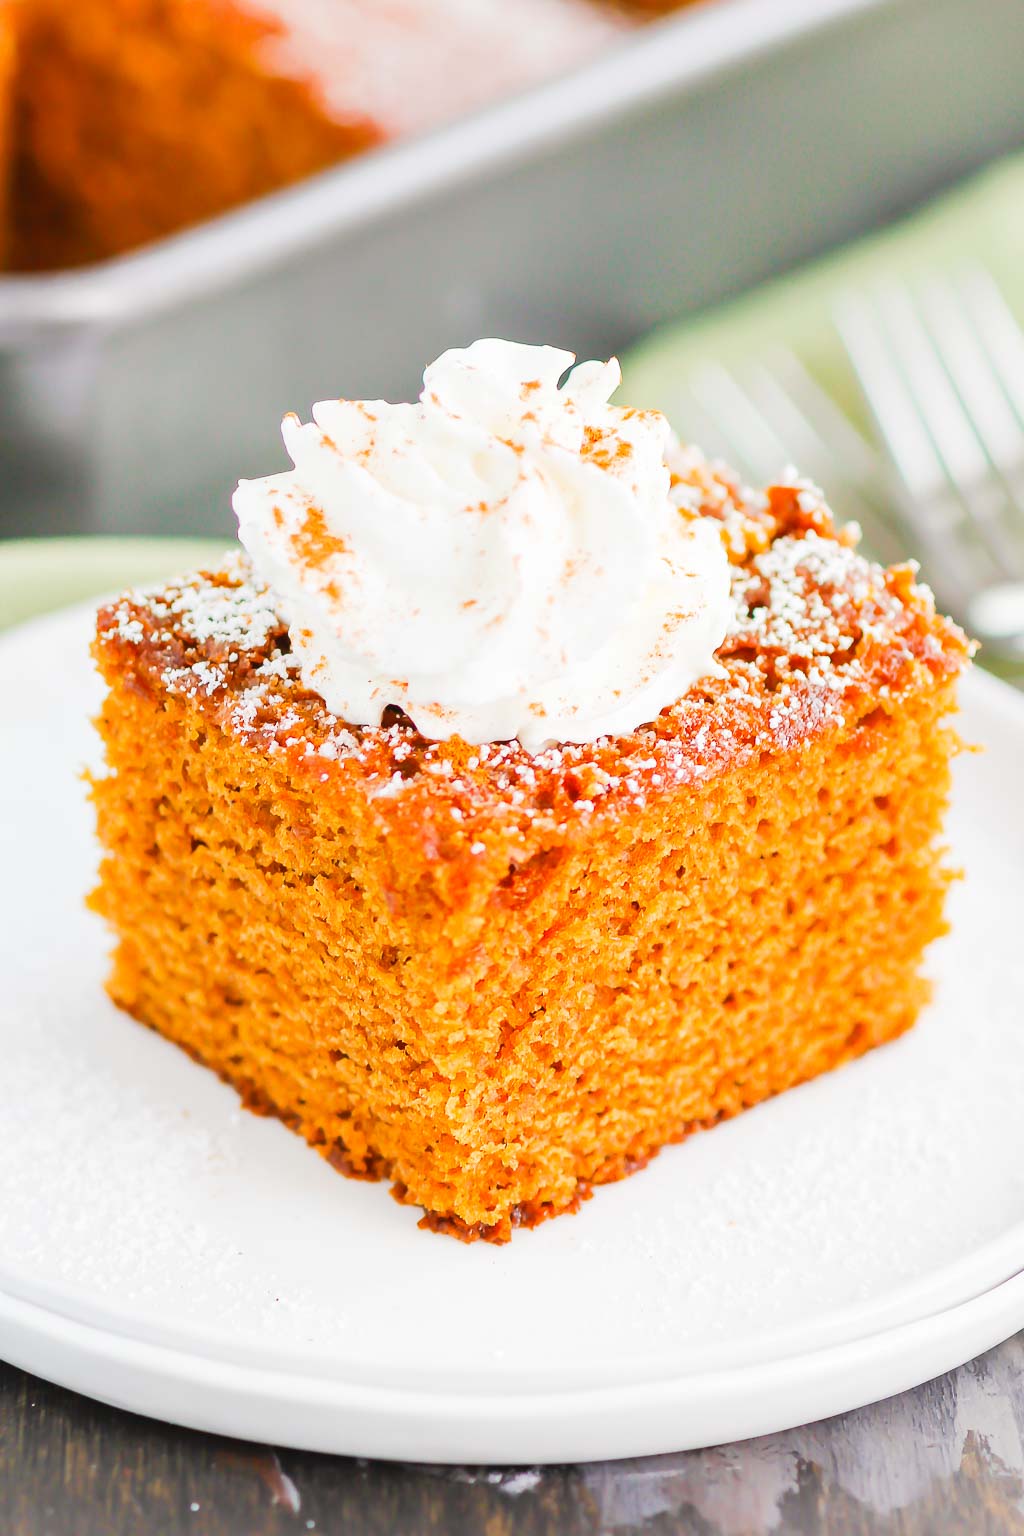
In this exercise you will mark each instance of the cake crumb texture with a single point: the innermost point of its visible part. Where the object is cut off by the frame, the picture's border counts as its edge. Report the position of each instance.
(500, 979)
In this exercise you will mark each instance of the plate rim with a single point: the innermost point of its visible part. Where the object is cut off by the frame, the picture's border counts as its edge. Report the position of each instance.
(977, 1272)
(307, 1413)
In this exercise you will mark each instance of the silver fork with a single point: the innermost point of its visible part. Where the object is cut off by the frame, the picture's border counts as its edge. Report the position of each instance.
(941, 366)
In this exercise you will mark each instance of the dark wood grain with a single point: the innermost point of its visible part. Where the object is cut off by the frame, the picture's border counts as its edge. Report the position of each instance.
(945, 1460)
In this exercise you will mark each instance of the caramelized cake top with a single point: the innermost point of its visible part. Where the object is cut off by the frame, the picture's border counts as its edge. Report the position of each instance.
(820, 637)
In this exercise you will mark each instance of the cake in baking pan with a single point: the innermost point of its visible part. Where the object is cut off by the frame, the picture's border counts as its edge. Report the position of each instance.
(136, 118)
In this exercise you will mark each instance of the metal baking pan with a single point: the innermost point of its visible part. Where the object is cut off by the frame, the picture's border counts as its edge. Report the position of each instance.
(698, 157)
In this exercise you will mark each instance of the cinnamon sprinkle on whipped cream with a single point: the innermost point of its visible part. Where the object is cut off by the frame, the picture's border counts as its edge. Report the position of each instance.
(502, 559)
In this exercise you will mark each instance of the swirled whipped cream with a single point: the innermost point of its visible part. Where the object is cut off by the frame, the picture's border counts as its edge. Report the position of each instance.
(500, 559)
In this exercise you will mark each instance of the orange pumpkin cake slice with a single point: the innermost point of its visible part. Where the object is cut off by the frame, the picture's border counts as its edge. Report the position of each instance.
(499, 976)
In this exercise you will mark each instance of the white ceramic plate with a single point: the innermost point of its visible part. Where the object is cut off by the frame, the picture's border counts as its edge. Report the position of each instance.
(162, 1250)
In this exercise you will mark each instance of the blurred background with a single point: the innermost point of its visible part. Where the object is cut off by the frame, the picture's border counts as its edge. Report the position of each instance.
(216, 212)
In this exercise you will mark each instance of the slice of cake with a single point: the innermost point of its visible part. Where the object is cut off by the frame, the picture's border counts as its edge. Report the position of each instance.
(534, 796)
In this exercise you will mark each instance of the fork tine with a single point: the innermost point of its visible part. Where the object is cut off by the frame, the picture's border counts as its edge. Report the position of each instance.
(740, 422)
(975, 379)
(999, 330)
(948, 421)
(942, 413)
(786, 420)
(696, 426)
(858, 458)
(928, 502)
(891, 404)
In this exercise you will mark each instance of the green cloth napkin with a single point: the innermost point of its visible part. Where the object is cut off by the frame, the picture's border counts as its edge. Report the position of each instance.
(981, 221)
(37, 575)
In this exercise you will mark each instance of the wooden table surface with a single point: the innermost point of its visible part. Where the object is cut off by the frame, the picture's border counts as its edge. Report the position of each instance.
(946, 1458)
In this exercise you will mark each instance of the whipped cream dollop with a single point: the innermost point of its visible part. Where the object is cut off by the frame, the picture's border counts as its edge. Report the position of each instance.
(500, 559)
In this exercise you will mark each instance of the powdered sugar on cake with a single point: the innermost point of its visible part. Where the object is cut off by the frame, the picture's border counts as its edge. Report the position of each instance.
(230, 612)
